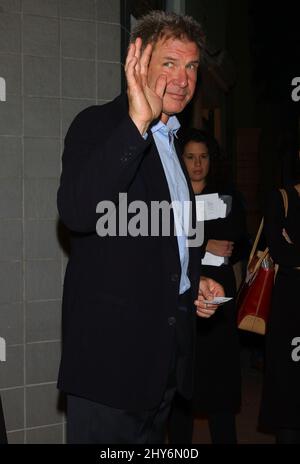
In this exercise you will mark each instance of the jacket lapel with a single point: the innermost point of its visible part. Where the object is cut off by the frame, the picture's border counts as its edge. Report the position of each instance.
(192, 195)
(154, 176)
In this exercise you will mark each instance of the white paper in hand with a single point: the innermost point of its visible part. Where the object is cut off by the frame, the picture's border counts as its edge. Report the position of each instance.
(212, 260)
(212, 207)
(218, 300)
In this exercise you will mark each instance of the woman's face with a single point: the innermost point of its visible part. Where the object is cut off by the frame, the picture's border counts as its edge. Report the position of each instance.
(196, 159)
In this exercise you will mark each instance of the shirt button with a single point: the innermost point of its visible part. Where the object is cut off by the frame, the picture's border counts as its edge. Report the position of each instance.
(174, 277)
(171, 321)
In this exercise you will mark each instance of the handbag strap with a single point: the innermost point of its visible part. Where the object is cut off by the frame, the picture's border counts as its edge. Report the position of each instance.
(256, 241)
(266, 251)
(286, 207)
(285, 201)
(260, 260)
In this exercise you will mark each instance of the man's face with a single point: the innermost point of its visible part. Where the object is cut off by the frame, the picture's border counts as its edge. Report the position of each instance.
(178, 60)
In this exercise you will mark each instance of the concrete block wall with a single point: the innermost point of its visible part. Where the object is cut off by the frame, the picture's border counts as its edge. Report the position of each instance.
(56, 57)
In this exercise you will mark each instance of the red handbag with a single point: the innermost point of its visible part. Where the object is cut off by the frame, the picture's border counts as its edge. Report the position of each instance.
(254, 297)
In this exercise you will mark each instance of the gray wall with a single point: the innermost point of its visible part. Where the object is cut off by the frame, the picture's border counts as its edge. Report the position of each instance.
(57, 57)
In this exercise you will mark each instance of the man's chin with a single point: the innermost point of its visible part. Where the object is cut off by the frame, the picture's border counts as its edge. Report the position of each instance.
(170, 110)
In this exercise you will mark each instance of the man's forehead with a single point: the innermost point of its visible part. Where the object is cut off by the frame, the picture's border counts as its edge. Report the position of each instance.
(169, 42)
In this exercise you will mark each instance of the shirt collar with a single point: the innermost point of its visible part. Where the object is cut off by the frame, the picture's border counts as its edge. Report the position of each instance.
(172, 126)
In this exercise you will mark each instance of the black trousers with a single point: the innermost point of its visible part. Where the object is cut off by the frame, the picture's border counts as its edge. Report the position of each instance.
(222, 425)
(91, 422)
(3, 437)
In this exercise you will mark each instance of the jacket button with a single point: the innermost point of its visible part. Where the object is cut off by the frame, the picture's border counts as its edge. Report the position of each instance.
(171, 321)
(174, 277)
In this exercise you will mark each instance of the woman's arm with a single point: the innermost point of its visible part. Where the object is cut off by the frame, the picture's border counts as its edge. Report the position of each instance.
(282, 252)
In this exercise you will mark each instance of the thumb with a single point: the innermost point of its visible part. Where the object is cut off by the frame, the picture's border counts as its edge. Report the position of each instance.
(205, 290)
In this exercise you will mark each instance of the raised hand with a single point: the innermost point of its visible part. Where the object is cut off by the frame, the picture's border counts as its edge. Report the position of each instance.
(145, 103)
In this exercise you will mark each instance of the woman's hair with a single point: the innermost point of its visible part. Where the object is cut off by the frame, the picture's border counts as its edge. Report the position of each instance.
(202, 136)
(158, 24)
(213, 148)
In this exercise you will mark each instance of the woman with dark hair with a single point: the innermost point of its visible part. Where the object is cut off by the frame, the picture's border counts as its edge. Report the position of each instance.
(280, 407)
(217, 363)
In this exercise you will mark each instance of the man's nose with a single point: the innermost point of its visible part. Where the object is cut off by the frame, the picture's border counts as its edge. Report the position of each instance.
(181, 77)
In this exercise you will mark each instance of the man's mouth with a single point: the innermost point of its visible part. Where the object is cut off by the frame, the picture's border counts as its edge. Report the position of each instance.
(177, 96)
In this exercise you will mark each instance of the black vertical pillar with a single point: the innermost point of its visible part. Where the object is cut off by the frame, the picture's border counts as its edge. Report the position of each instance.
(3, 437)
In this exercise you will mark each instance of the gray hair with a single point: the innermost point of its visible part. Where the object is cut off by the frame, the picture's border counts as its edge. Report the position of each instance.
(158, 24)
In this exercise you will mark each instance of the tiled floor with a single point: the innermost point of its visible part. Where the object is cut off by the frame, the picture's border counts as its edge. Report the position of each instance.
(247, 418)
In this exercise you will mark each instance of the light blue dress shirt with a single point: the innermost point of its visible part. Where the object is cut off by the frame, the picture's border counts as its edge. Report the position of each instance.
(164, 139)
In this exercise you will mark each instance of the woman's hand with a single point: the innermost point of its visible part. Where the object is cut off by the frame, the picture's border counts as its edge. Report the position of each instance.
(220, 247)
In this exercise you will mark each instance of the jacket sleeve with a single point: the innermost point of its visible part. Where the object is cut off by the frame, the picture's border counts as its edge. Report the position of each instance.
(96, 168)
(282, 252)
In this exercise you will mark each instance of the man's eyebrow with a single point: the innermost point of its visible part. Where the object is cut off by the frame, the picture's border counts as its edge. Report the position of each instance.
(193, 153)
(171, 58)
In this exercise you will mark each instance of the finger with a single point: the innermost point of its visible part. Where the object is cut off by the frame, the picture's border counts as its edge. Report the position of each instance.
(203, 286)
(130, 72)
(214, 290)
(204, 315)
(138, 48)
(137, 54)
(205, 312)
(145, 59)
(203, 296)
(210, 311)
(161, 85)
(205, 306)
(130, 54)
(130, 67)
(207, 294)
(134, 52)
(146, 56)
(207, 309)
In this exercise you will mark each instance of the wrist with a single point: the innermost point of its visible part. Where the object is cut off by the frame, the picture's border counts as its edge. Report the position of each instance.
(142, 126)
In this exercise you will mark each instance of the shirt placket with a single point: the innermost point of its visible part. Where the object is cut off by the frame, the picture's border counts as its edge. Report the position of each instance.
(179, 207)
